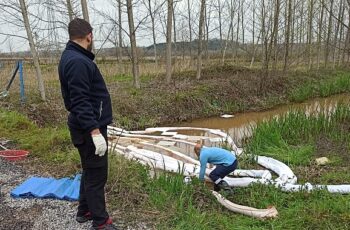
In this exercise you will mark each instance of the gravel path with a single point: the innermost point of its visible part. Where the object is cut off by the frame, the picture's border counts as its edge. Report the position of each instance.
(38, 214)
(32, 213)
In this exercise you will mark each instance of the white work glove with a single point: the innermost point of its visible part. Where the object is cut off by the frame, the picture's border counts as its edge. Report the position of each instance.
(100, 144)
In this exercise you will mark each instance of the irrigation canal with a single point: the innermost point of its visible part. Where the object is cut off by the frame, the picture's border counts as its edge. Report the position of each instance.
(240, 125)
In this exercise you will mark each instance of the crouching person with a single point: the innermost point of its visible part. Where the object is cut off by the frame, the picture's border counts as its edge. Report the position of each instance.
(224, 161)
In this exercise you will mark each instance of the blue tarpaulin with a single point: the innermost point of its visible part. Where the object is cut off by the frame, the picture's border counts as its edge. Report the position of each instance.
(39, 187)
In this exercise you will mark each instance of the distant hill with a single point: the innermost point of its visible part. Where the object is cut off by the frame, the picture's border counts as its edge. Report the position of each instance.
(213, 45)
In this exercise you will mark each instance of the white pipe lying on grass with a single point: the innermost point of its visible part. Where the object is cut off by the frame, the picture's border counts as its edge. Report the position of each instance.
(285, 174)
(270, 212)
(244, 181)
(342, 189)
(265, 174)
(285, 181)
(225, 137)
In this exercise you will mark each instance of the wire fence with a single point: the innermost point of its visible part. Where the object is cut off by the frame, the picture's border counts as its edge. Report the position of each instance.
(114, 73)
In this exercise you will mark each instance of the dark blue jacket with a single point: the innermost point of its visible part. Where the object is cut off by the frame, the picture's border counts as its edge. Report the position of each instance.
(83, 89)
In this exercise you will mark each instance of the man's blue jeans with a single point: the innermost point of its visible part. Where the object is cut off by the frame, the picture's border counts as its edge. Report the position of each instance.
(221, 171)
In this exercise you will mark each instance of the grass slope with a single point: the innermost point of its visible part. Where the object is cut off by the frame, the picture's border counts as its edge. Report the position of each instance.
(165, 202)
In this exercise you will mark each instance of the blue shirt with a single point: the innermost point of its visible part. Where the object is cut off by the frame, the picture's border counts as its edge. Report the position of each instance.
(216, 156)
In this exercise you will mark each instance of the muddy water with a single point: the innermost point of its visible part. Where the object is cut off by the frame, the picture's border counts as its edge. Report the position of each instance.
(241, 124)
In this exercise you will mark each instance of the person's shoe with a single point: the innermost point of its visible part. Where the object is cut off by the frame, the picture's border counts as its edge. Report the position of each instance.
(106, 226)
(216, 188)
(222, 185)
(84, 218)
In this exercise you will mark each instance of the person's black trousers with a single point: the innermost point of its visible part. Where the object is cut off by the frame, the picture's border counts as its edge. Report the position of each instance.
(94, 177)
(221, 171)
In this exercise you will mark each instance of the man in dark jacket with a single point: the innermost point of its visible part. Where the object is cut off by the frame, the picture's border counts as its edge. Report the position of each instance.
(87, 99)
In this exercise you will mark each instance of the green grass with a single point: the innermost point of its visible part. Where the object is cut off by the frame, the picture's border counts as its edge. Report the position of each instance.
(292, 137)
(323, 87)
(51, 144)
(167, 203)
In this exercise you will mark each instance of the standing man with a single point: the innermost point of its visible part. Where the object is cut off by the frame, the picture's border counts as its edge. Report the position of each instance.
(90, 111)
(224, 161)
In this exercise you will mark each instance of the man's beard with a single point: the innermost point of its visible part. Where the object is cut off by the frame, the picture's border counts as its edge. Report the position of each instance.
(89, 47)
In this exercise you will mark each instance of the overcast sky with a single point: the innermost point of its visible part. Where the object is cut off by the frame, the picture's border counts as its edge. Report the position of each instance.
(102, 25)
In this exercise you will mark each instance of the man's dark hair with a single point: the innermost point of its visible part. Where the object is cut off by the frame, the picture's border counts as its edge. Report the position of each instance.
(78, 28)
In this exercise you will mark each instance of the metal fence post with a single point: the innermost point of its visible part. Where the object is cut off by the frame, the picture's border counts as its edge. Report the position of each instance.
(21, 81)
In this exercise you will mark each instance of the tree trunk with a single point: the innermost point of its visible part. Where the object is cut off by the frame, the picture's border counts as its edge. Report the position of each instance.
(190, 29)
(226, 43)
(33, 49)
(134, 55)
(253, 37)
(200, 38)
(274, 34)
(294, 21)
(206, 33)
(120, 48)
(220, 25)
(341, 37)
(70, 10)
(254, 51)
(309, 33)
(264, 33)
(329, 31)
(232, 13)
(168, 40)
(335, 43)
(287, 36)
(237, 33)
(153, 32)
(243, 26)
(85, 10)
(174, 28)
(319, 37)
(347, 38)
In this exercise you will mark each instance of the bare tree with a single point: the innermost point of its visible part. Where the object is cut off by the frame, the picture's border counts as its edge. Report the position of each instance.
(189, 28)
(319, 36)
(200, 38)
(336, 33)
(152, 15)
(219, 10)
(33, 49)
(174, 27)
(329, 31)
(134, 55)
(309, 33)
(274, 34)
(230, 31)
(168, 41)
(287, 35)
(70, 10)
(347, 36)
(85, 10)
(120, 31)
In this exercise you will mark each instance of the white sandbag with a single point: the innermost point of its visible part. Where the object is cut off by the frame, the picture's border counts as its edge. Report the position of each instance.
(243, 182)
(265, 174)
(270, 212)
(342, 189)
(285, 174)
